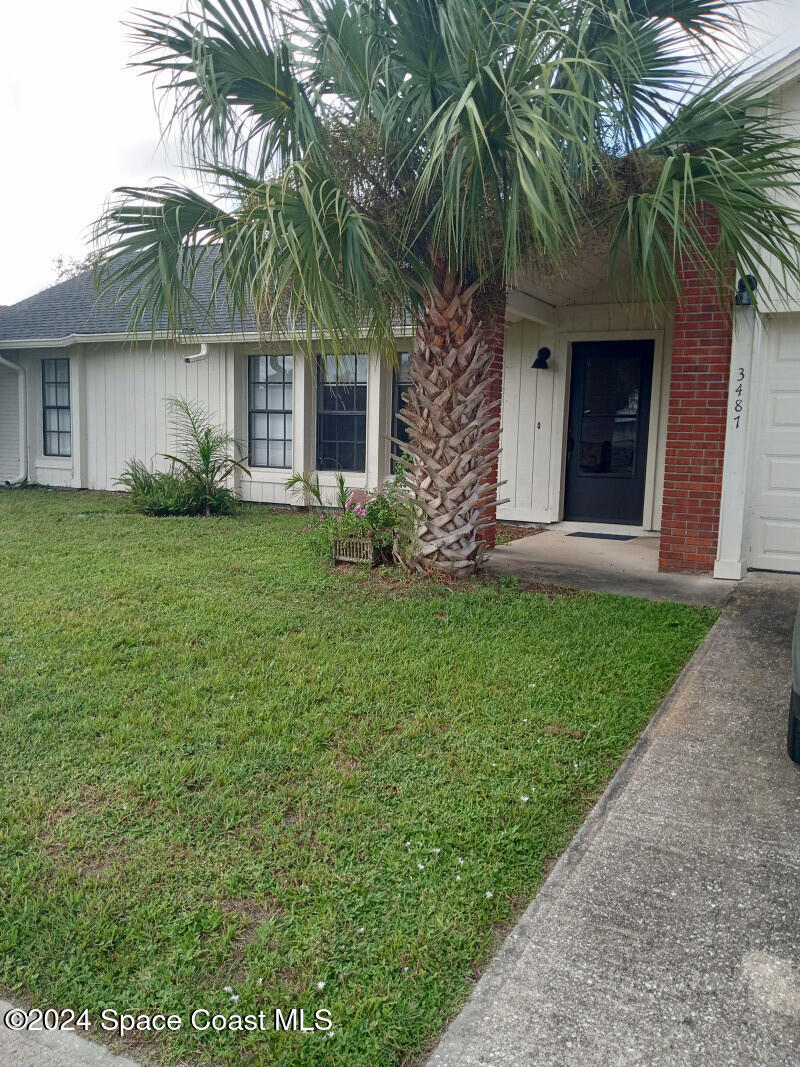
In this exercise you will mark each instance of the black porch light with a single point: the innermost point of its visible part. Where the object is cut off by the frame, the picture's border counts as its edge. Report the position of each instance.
(542, 356)
(745, 288)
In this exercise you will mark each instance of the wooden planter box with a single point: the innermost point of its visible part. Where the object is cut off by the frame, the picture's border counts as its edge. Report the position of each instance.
(360, 550)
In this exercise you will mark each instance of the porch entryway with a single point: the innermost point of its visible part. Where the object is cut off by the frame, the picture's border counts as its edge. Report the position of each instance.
(602, 563)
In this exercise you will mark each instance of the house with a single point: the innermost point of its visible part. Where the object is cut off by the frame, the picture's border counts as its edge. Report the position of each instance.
(614, 417)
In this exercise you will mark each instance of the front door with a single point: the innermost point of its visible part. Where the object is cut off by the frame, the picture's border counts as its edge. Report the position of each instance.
(609, 417)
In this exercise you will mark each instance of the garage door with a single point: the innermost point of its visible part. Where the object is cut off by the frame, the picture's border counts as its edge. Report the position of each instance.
(775, 523)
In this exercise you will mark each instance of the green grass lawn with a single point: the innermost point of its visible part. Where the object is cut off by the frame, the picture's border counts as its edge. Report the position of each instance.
(227, 765)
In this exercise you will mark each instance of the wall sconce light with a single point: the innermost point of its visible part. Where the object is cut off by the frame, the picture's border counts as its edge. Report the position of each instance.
(542, 356)
(745, 287)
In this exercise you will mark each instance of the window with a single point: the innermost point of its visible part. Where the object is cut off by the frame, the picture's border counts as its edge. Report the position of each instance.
(270, 410)
(401, 379)
(56, 418)
(342, 414)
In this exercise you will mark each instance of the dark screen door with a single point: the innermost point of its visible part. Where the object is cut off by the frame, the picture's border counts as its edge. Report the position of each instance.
(609, 417)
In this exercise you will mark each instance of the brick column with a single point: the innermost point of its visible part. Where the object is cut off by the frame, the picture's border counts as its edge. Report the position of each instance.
(701, 353)
(490, 308)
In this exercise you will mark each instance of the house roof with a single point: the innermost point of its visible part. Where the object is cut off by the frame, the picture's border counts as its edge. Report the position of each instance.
(73, 311)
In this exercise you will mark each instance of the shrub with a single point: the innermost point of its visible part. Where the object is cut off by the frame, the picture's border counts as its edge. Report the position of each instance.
(156, 492)
(195, 484)
(204, 457)
(342, 494)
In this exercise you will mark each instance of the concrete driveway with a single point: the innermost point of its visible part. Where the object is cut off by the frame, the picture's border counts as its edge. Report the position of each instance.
(669, 932)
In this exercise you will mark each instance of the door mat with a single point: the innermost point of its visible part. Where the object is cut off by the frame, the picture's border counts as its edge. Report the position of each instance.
(604, 536)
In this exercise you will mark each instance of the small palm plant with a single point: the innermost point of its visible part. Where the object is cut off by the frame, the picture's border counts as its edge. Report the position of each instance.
(204, 454)
(306, 485)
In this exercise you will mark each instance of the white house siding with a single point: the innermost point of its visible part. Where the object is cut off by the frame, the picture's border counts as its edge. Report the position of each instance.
(127, 394)
(267, 485)
(536, 403)
(9, 425)
(118, 404)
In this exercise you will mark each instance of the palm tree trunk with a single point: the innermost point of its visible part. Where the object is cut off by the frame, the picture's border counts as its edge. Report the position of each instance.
(453, 429)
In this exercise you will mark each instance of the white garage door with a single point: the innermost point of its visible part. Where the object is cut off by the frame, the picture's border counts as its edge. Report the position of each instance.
(775, 525)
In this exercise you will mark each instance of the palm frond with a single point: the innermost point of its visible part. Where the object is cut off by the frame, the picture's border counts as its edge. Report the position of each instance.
(325, 264)
(152, 244)
(295, 255)
(724, 150)
(230, 76)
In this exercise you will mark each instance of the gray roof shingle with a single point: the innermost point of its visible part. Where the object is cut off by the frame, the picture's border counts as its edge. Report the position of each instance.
(73, 308)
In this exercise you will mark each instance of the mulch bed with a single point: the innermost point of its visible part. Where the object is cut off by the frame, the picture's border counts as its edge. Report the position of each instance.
(508, 531)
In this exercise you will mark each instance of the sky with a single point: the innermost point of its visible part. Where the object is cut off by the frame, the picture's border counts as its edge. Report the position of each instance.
(76, 121)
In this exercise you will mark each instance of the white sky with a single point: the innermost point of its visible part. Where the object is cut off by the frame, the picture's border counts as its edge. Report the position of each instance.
(75, 123)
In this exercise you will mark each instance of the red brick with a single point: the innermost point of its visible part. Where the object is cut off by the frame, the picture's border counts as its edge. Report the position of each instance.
(696, 423)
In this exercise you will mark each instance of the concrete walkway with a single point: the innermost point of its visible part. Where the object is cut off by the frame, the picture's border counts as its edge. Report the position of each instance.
(55, 1048)
(669, 932)
(630, 568)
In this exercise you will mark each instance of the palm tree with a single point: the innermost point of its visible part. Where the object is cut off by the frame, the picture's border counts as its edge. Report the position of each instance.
(362, 159)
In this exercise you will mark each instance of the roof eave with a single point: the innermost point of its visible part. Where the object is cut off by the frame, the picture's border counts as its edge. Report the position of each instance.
(779, 72)
(249, 337)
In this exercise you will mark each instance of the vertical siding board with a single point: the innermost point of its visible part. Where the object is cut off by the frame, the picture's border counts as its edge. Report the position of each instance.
(527, 434)
(543, 415)
(90, 414)
(131, 406)
(150, 392)
(113, 429)
(510, 417)
(171, 389)
(101, 419)
(140, 403)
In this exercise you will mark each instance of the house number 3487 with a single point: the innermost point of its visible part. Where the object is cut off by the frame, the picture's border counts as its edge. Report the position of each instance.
(738, 392)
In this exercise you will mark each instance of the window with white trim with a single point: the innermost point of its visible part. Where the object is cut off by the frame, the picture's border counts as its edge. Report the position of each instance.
(270, 392)
(342, 413)
(56, 414)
